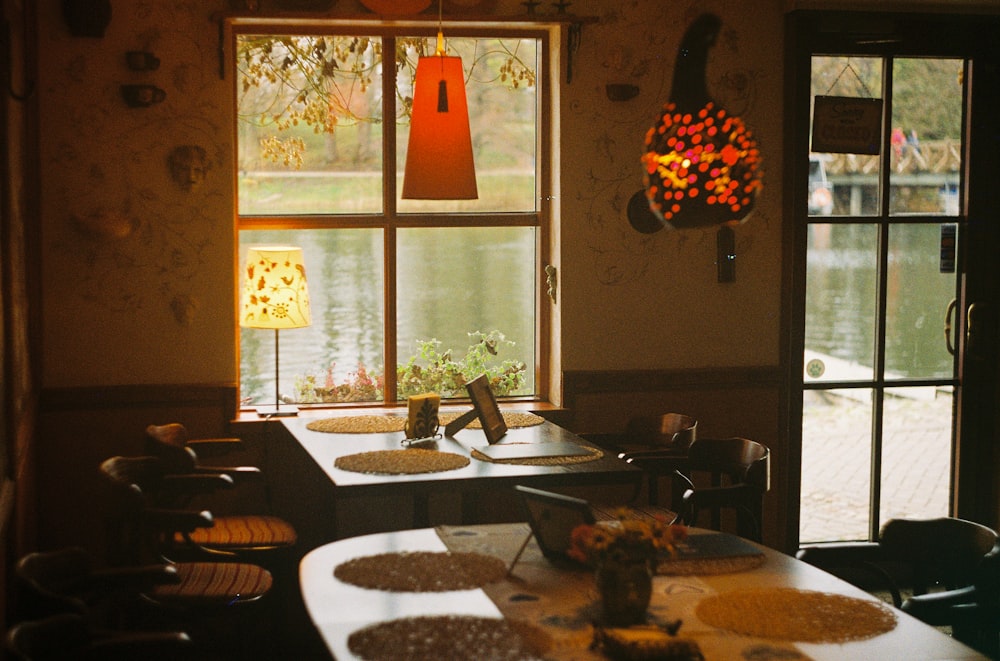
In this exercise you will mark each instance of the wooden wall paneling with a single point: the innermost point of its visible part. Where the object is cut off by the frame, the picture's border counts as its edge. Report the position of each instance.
(81, 427)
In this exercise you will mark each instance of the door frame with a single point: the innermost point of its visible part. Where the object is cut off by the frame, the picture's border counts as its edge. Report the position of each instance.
(978, 399)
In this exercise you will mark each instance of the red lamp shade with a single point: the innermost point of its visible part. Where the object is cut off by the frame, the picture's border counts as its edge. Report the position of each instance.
(439, 163)
(701, 169)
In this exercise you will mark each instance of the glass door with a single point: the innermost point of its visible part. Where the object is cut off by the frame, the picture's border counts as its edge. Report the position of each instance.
(879, 379)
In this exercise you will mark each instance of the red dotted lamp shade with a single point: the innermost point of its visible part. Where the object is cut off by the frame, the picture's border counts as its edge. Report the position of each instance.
(701, 169)
(701, 165)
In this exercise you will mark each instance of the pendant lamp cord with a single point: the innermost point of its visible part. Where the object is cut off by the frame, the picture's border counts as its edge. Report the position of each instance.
(442, 105)
(440, 40)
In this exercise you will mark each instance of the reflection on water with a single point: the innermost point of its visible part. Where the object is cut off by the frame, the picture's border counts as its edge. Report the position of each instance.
(451, 282)
(842, 299)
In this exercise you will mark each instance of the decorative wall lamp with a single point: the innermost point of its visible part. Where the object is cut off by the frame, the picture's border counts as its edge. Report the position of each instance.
(275, 296)
(439, 163)
(701, 166)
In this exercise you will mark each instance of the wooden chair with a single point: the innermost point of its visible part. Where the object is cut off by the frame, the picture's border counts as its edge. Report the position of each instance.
(718, 475)
(248, 536)
(71, 636)
(943, 571)
(670, 431)
(68, 580)
(211, 598)
(667, 434)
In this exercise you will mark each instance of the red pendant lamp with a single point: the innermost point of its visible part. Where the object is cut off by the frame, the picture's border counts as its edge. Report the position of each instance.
(439, 163)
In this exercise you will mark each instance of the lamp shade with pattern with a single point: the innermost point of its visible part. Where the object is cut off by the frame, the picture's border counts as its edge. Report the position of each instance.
(275, 295)
(439, 162)
(702, 165)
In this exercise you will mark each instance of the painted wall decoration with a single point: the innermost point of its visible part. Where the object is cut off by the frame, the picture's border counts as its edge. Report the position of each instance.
(138, 225)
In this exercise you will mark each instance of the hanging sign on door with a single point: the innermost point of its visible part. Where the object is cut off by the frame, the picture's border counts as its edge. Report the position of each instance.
(847, 125)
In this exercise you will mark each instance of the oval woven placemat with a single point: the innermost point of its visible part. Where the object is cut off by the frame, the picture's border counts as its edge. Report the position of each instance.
(384, 424)
(401, 462)
(450, 637)
(796, 615)
(594, 455)
(422, 571)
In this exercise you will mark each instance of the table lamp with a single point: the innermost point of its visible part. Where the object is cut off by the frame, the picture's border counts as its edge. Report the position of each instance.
(275, 296)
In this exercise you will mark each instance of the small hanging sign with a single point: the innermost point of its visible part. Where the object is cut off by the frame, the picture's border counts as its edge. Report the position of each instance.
(949, 234)
(847, 125)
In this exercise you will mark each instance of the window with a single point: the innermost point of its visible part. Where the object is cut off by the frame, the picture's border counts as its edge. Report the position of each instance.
(440, 290)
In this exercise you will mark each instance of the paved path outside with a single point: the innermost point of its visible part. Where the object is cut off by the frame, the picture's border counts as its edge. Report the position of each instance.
(836, 460)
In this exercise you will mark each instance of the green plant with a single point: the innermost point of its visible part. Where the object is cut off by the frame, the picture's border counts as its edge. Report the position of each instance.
(429, 370)
(433, 371)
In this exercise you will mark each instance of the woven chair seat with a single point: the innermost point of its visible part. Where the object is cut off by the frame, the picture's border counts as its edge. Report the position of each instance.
(214, 584)
(242, 532)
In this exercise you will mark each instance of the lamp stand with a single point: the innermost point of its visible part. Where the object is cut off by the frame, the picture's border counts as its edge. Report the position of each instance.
(278, 410)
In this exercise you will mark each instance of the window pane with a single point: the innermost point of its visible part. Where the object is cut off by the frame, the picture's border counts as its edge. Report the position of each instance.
(310, 125)
(840, 302)
(458, 287)
(916, 453)
(344, 343)
(917, 297)
(502, 98)
(845, 184)
(836, 465)
(926, 137)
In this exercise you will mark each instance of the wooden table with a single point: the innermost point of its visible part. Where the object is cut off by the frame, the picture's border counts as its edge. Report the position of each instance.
(324, 448)
(337, 609)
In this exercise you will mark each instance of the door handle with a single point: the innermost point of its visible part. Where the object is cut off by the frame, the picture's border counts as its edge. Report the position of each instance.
(947, 325)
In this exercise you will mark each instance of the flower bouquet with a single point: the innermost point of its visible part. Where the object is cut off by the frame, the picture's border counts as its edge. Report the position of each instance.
(624, 552)
(627, 539)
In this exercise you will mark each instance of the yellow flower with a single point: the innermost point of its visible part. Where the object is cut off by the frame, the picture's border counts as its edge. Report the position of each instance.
(628, 538)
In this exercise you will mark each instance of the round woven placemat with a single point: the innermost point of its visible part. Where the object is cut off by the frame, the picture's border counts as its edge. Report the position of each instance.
(796, 615)
(594, 455)
(384, 424)
(401, 462)
(709, 566)
(450, 637)
(422, 571)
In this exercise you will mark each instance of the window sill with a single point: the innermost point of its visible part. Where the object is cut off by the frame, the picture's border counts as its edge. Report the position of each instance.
(548, 410)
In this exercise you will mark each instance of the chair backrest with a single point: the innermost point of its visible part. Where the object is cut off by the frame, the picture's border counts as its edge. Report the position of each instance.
(740, 460)
(945, 550)
(49, 582)
(738, 471)
(674, 430)
(132, 479)
(169, 443)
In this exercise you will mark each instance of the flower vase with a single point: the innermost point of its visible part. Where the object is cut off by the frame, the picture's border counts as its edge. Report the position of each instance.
(625, 590)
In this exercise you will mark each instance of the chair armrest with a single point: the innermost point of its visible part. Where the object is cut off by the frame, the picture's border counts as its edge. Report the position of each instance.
(189, 484)
(646, 454)
(183, 521)
(661, 462)
(238, 474)
(858, 563)
(941, 608)
(215, 447)
(123, 645)
(840, 554)
(137, 579)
